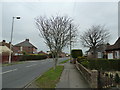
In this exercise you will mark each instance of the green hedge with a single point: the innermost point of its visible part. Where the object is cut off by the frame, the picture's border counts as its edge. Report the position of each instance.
(33, 57)
(101, 64)
(76, 53)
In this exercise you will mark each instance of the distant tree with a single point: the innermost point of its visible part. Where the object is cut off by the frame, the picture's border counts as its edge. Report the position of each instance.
(56, 33)
(94, 37)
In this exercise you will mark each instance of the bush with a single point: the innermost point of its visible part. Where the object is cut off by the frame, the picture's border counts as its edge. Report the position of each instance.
(80, 59)
(33, 57)
(85, 63)
(102, 64)
(76, 53)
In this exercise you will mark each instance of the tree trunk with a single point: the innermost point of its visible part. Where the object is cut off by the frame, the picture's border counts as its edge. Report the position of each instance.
(94, 52)
(56, 60)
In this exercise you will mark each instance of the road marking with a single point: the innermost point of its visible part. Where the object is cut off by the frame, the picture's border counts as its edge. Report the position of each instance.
(31, 65)
(8, 71)
(31, 61)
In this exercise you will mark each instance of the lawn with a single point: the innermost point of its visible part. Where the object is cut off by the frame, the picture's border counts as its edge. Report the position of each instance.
(64, 61)
(50, 78)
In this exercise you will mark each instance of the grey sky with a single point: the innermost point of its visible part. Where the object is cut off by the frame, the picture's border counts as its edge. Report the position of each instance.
(84, 14)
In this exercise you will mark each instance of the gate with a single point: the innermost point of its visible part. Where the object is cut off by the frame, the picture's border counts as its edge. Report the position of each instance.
(105, 80)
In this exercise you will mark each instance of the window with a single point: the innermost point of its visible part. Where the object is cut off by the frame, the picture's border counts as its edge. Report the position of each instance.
(21, 48)
(117, 54)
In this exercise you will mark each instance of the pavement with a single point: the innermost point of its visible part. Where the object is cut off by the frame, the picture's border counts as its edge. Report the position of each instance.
(20, 75)
(71, 78)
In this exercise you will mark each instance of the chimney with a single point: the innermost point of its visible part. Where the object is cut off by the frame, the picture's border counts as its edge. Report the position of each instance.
(27, 40)
(4, 41)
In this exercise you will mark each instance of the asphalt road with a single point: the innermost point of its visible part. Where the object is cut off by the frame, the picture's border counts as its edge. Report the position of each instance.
(19, 75)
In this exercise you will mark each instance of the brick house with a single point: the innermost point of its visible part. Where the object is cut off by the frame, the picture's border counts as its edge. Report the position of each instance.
(113, 51)
(5, 52)
(24, 46)
(41, 52)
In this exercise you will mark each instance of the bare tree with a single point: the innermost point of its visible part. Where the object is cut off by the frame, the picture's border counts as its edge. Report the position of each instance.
(94, 37)
(56, 33)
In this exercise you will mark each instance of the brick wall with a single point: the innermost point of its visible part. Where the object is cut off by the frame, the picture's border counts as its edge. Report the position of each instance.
(30, 50)
(5, 58)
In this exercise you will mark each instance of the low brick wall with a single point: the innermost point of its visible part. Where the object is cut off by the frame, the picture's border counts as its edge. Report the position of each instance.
(91, 76)
(5, 58)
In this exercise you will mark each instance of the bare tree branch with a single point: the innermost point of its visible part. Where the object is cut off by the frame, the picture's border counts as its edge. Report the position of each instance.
(94, 37)
(56, 32)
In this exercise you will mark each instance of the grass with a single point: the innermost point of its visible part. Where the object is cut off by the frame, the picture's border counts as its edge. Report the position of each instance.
(13, 63)
(50, 78)
(64, 61)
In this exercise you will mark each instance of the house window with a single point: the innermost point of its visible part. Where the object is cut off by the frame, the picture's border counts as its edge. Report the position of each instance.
(99, 54)
(110, 55)
(21, 48)
(117, 54)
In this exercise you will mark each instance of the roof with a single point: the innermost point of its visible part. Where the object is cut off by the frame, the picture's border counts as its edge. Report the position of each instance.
(41, 52)
(101, 48)
(25, 43)
(4, 49)
(115, 46)
(5, 44)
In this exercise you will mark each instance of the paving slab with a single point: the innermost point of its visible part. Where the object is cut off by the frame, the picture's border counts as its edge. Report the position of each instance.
(71, 78)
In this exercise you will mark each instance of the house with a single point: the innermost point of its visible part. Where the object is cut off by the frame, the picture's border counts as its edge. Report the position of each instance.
(25, 47)
(41, 52)
(62, 54)
(100, 52)
(113, 51)
(4, 50)
(4, 43)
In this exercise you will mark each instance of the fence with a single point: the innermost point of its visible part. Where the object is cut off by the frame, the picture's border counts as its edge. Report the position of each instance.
(105, 80)
(97, 78)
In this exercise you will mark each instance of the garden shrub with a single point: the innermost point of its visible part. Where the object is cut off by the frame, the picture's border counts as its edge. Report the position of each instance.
(80, 59)
(102, 64)
(76, 53)
(33, 57)
(85, 63)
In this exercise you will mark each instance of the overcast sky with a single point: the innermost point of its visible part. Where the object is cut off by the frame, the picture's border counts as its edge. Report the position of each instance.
(84, 14)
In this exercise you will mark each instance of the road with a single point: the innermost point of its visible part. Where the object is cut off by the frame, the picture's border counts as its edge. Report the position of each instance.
(19, 75)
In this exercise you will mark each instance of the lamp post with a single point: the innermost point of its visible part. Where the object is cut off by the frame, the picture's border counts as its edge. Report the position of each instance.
(11, 37)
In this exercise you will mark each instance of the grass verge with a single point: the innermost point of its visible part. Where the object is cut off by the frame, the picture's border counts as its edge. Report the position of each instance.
(13, 63)
(64, 61)
(50, 78)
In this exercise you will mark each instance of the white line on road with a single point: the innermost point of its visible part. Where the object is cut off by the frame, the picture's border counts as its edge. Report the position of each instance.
(31, 61)
(8, 71)
(31, 65)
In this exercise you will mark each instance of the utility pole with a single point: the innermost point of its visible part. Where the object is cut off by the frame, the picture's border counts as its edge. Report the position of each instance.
(70, 41)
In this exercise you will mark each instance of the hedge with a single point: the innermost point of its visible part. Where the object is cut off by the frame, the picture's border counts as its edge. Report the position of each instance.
(33, 57)
(76, 53)
(101, 64)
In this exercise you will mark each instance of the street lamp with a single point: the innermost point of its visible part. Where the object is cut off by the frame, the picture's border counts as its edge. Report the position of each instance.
(17, 17)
